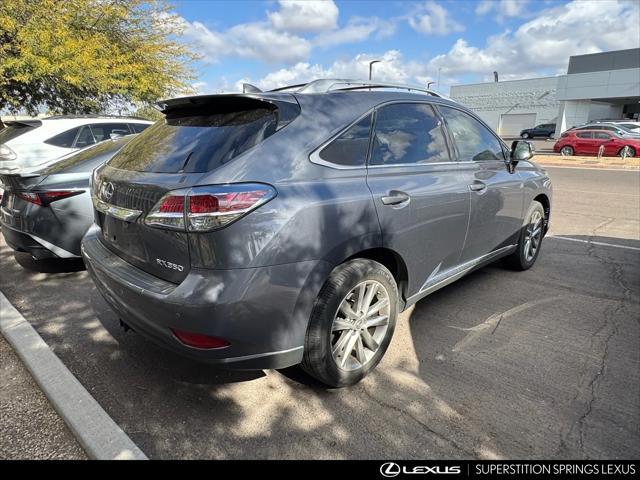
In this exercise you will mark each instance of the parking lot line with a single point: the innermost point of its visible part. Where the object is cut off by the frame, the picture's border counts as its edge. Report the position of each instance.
(94, 429)
(603, 244)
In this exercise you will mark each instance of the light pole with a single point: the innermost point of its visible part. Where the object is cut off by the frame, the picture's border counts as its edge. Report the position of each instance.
(371, 67)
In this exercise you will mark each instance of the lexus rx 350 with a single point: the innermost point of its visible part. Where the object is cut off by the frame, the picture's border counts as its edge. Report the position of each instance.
(269, 229)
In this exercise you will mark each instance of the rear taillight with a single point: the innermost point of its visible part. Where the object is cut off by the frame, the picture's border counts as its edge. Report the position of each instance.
(202, 209)
(198, 340)
(45, 198)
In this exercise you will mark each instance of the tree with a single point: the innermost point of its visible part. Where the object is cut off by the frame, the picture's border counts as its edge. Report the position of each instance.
(89, 56)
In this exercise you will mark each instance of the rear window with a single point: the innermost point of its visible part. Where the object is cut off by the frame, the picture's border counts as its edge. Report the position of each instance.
(12, 131)
(197, 140)
(64, 139)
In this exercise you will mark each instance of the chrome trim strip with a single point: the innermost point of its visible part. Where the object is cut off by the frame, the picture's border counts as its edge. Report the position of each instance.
(433, 283)
(258, 355)
(61, 252)
(121, 213)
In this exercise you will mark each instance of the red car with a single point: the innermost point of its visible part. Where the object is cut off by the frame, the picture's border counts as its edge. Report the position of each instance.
(588, 142)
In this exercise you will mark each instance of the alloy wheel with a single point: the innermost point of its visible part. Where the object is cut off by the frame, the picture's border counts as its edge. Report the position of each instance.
(566, 151)
(533, 236)
(360, 325)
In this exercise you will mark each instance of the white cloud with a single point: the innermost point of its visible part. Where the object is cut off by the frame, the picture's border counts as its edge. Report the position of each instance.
(357, 29)
(502, 8)
(305, 16)
(249, 40)
(546, 42)
(393, 68)
(433, 19)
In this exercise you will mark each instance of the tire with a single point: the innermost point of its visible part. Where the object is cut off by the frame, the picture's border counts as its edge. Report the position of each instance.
(330, 324)
(524, 258)
(631, 152)
(525, 135)
(567, 150)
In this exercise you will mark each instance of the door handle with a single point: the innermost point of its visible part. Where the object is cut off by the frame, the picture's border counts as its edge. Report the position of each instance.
(478, 186)
(394, 198)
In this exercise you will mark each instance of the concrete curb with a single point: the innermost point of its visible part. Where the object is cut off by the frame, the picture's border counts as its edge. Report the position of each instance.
(94, 429)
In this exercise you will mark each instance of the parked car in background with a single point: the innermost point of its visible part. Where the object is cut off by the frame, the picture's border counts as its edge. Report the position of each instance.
(28, 143)
(588, 142)
(285, 227)
(543, 130)
(630, 125)
(46, 211)
(609, 127)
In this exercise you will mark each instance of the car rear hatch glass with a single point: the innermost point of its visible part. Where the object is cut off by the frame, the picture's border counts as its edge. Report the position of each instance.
(196, 136)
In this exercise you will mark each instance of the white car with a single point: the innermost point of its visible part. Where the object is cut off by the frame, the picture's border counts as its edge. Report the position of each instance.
(27, 143)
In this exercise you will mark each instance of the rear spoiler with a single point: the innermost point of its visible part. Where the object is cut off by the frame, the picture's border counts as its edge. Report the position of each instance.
(18, 180)
(286, 104)
(23, 123)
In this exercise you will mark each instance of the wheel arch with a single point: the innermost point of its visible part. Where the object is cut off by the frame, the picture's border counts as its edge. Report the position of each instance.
(546, 205)
(392, 260)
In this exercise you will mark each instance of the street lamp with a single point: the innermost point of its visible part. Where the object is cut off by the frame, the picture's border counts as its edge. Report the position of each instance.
(429, 85)
(371, 67)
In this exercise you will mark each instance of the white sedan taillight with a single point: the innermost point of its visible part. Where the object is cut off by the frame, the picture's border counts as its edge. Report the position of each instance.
(202, 209)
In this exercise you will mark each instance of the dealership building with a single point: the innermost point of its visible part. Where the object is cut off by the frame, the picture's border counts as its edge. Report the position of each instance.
(597, 86)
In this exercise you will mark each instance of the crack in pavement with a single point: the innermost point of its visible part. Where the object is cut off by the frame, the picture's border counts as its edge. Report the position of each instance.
(609, 324)
(426, 427)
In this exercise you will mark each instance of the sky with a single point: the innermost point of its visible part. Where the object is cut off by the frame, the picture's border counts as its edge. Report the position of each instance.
(276, 43)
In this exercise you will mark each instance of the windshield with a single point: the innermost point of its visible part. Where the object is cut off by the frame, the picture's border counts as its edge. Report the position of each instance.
(196, 140)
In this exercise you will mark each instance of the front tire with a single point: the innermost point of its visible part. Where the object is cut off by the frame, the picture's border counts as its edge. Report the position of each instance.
(530, 239)
(351, 324)
(567, 151)
(631, 152)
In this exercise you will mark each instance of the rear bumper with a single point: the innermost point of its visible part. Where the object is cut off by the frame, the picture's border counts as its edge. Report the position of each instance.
(263, 312)
(35, 246)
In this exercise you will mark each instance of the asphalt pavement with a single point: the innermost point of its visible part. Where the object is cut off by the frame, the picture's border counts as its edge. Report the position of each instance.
(501, 364)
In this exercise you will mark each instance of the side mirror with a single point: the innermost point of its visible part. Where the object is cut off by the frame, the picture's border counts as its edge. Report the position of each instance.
(115, 135)
(521, 150)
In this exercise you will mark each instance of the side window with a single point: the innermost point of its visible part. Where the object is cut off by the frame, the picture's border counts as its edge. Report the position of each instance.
(351, 148)
(64, 139)
(602, 136)
(138, 127)
(85, 138)
(474, 141)
(584, 135)
(407, 133)
(103, 131)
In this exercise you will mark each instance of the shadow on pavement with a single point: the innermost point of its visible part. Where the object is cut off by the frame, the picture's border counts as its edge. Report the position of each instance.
(49, 265)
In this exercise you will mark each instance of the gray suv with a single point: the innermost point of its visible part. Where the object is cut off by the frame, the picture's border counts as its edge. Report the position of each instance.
(269, 229)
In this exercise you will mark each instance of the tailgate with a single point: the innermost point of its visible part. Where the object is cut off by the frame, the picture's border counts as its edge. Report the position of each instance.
(163, 253)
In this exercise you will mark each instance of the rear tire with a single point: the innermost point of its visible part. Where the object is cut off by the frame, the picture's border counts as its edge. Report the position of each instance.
(338, 316)
(526, 136)
(530, 239)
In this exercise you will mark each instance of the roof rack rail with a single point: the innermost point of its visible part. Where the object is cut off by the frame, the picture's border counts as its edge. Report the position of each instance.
(328, 85)
(88, 115)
